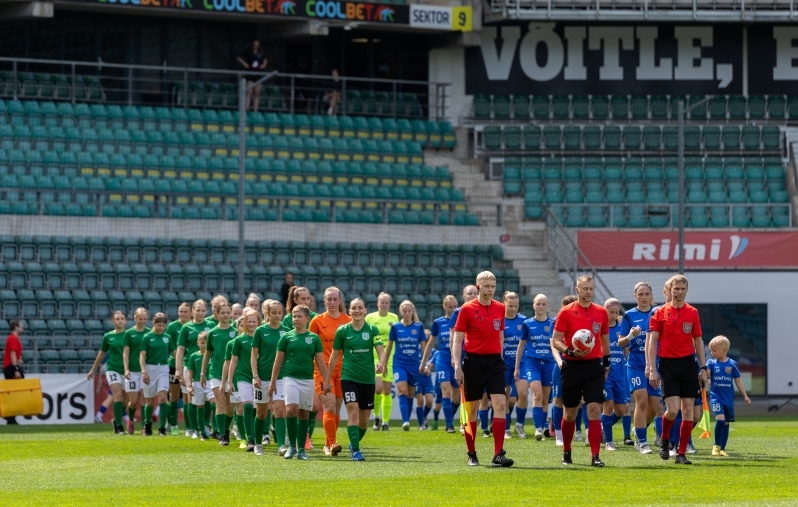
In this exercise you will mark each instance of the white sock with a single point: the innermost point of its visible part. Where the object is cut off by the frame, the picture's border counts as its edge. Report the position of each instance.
(558, 434)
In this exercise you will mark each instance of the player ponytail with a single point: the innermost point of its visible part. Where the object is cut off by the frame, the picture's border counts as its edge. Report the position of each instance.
(293, 295)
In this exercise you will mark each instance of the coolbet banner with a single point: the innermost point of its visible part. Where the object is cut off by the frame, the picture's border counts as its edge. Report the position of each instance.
(581, 59)
(704, 250)
(68, 399)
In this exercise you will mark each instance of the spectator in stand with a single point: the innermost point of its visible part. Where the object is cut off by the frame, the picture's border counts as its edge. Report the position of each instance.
(333, 92)
(287, 284)
(253, 59)
(12, 357)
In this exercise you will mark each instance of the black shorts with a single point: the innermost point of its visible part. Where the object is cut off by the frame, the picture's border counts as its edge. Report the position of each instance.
(355, 392)
(679, 377)
(483, 374)
(582, 379)
(172, 376)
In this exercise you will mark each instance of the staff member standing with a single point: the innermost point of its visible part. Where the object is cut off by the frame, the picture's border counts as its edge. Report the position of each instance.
(481, 324)
(12, 357)
(583, 373)
(676, 328)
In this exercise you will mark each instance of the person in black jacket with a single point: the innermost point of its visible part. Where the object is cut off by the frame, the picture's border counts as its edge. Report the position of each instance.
(253, 59)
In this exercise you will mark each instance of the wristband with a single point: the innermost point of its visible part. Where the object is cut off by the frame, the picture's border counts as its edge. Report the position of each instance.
(17, 368)
(569, 352)
(704, 368)
(606, 361)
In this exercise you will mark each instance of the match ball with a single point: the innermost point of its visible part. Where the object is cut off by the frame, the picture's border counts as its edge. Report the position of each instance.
(583, 340)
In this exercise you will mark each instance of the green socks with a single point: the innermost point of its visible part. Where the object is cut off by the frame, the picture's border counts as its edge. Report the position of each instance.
(212, 418)
(260, 424)
(354, 437)
(191, 424)
(387, 405)
(239, 422)
(302, 430)
(377, 406)
(311, 424)
(201, 418)
(172, 413)
(249, 419)
(279, 430)
(362, 432)
(220, 420)
(146, 412)
(164, 411)
(119, 410)
(292, 427)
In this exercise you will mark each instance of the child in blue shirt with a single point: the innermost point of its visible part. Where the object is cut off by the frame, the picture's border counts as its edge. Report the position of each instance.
(723, 372)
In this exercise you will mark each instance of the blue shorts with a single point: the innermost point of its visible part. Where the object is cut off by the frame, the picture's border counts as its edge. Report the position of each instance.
(638, 380)
(727, 411)
(424, 384)
(616, 389)
(539, 370)
(405, 373)
(509, 374)
(556, 382)
(445, 371)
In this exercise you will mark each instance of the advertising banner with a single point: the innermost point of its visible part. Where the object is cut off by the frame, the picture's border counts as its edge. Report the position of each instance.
(702, 250)
(68, 399)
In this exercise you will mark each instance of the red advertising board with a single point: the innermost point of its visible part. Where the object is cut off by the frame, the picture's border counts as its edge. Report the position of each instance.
(704, 250)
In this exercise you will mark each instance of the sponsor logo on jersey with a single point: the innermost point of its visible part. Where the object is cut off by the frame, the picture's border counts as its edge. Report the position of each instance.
(596, 327)
(497, 324)
(687, 327)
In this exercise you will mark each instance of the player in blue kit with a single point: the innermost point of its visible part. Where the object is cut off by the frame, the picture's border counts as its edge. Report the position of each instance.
(444, 371)
(409, 339)
(633, 328)
(424, 390)
(513, 325)
(534, 367)
(723, 371)
(616, 387)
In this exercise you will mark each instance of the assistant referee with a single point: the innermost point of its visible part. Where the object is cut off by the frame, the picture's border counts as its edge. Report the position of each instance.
(583, 374)
(481, 324)
(676, 328)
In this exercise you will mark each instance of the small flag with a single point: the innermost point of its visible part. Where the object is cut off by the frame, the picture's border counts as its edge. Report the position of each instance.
(705, 421)
(464, 411)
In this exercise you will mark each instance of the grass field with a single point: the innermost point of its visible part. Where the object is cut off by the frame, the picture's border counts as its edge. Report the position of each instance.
(82, 465)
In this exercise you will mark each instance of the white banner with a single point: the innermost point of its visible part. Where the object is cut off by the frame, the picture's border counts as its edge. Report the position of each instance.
(68, 399)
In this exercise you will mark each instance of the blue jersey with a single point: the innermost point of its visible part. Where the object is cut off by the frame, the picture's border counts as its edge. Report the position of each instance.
(512, 337)
(453, 320)
(407, 342)
(637, 346)
(440, 329)
(723, 375)
(617, 354)
(538, 336)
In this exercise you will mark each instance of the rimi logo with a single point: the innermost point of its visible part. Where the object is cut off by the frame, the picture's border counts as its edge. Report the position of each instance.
(666, 250)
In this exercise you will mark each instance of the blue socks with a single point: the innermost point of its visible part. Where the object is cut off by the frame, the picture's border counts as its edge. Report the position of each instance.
(404, 408)
(615, 418)
(455, 406)
(721, 434)
(606, 424)
(507, 418)
(427, 409)
(675, 429)
(483, 419)
(538, 417)
(448, 413)
(641, 435)
(420, 415)
(520, 415)
(556, 415)
(725, 436)
(658, 425)
(627, 426)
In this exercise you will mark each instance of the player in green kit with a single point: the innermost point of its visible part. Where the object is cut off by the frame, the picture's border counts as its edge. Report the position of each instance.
(241, 366)
(187, 345)
(133, 338)
(297, 296)
(216, 306)
(383, 319)
(113, 346)
(298, 349)
(172, 331)
(264, 350)
(200, 395)
(218, 337)
(156, 349)
(358, 341)
(233, 407)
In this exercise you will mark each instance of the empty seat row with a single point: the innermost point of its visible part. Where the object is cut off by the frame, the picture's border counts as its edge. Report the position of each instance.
(51, 86)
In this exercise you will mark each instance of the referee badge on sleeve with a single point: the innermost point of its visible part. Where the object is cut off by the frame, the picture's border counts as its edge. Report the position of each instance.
(687, 327)
(497, 324)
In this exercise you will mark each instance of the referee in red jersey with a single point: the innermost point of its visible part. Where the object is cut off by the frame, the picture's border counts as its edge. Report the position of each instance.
(481, 324)
(676, 328)
(583, 373)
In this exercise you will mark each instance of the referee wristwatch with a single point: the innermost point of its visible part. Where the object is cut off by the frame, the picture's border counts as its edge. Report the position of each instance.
(569, 352)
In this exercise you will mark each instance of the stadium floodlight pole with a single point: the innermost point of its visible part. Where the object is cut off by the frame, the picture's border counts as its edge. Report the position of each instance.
(681, 112)
(242, 148)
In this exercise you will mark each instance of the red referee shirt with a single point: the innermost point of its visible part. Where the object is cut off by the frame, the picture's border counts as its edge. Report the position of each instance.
(574, 317)
(482, 326)
(678, 327)
(12, 344)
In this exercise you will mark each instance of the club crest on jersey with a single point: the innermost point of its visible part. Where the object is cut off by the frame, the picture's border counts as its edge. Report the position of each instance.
(728, 369)
(497, 324)
(232, 334)
(547, 328)
(365, 336)
(687, 327)
(518, 327)
(308, 340)
(166, 339)
(596, 328)
(413, 331)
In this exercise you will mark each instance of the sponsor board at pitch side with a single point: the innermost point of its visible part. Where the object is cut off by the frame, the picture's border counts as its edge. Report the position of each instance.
(68, 399)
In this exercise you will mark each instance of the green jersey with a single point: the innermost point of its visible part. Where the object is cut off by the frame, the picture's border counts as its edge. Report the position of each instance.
(188, 336)
(288, 320)
(300, 354)
(216, 344)
(358, 348)
(266, 340)
(242, 347)
(133, 339)
(113, 345)
(228, 350)
(158, 348)
(172, 331)
(194, 365)
(212, 321)
(383, 324)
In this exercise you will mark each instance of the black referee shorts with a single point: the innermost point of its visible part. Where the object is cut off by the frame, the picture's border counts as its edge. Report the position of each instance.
(481, 374)
(582, 379)
(679, 377)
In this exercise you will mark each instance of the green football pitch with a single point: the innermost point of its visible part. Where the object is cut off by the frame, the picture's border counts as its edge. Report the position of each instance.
(87, 465)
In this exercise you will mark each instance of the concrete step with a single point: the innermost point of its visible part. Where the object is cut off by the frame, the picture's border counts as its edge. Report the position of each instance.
(524, 252)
